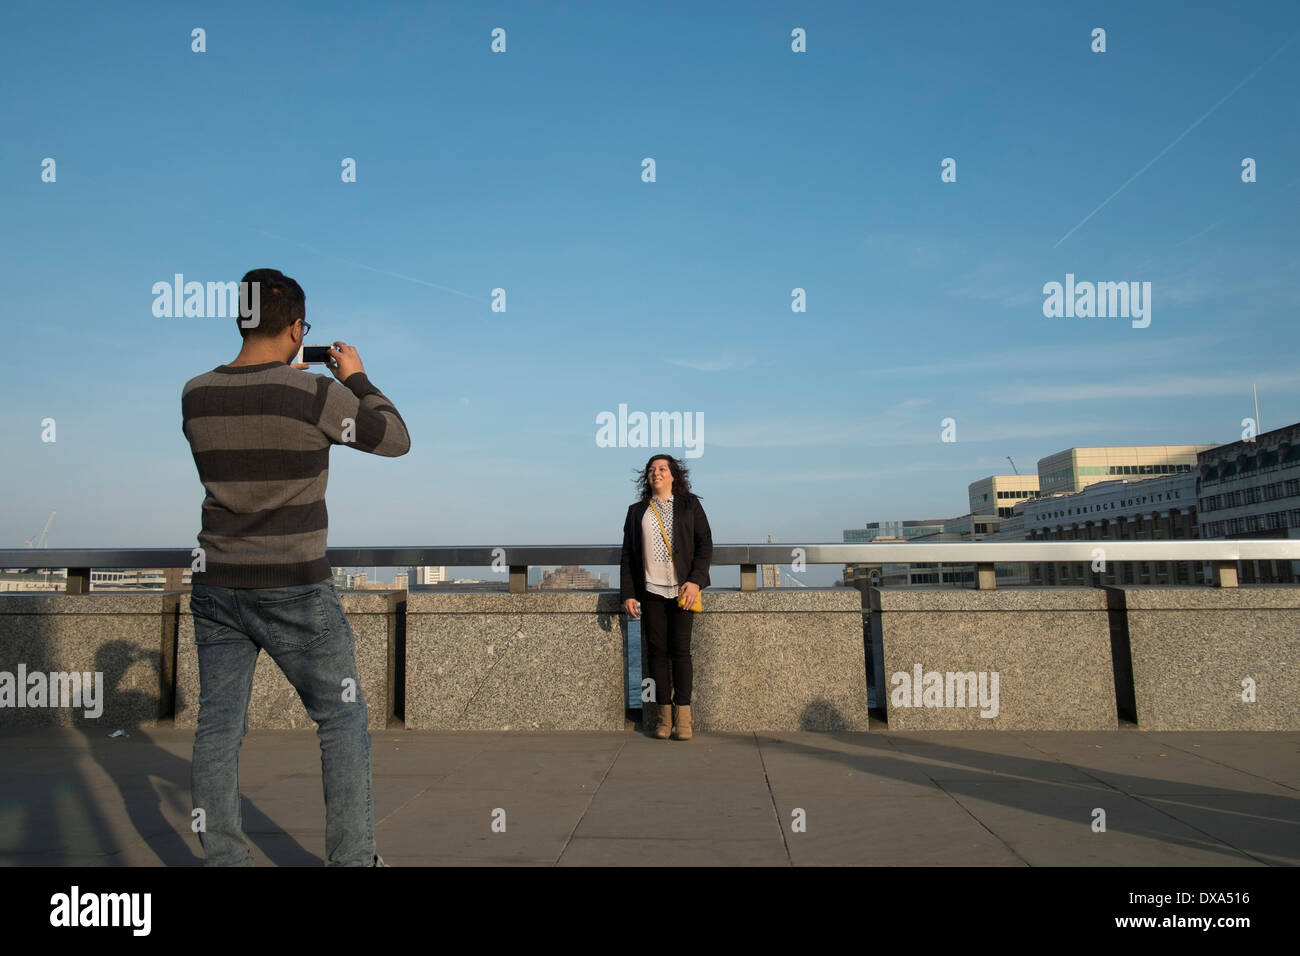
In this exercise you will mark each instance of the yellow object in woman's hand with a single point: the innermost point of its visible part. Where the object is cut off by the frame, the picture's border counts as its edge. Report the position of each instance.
(697, 605)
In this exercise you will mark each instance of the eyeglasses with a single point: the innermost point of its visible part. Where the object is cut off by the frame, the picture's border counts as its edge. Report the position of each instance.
(306, 327)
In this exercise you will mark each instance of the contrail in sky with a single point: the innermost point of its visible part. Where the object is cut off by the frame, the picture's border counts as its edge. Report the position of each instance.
(382, 272)
(1179, 138)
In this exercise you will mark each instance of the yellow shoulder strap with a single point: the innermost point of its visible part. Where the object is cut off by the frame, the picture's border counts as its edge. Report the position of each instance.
(660, 519)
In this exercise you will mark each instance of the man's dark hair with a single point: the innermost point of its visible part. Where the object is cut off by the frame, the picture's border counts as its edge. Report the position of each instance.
(280, 299)
(679, 471)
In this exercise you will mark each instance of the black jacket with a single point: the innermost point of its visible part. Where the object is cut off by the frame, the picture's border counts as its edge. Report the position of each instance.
(692, 547)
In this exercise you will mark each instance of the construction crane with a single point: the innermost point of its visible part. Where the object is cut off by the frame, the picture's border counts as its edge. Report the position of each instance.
(1013, 465)
(38, 541)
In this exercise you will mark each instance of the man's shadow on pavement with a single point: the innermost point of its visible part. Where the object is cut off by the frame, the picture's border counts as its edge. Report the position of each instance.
(135, 774)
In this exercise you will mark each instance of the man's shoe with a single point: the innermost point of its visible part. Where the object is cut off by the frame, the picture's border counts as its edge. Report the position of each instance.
(682, 720)
(664, 729)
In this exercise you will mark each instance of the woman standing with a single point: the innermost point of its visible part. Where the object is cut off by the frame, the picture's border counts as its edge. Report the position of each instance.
(667, 547)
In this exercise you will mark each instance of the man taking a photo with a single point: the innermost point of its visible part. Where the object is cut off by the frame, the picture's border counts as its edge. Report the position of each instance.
(260, 430)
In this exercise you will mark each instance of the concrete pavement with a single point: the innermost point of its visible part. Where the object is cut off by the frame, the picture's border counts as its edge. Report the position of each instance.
(74, 797)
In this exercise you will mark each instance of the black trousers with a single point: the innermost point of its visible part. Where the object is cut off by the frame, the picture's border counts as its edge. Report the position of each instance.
(666, 629)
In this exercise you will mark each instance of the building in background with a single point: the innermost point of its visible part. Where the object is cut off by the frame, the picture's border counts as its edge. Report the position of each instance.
(17, 580)
(1083, 493)
(997, 495)
(351, 580)
(1076, 468)
(571, 577)
(347, 580)
(427, 575)
(968, 527)
(1123, 509)
(879, 574)
(120, 579)
(55, 580)
(1013, 508)
(932, 573)
(1251, 489)
(892, 530)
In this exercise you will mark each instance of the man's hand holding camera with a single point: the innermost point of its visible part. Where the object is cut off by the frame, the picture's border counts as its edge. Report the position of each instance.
(344, 361)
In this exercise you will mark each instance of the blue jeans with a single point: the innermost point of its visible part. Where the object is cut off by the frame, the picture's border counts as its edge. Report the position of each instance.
(304, 630)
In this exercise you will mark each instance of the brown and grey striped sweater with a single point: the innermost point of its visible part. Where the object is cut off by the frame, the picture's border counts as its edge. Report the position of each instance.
(261, 437)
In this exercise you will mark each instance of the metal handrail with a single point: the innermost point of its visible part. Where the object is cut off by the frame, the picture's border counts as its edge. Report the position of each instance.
(1224, 553)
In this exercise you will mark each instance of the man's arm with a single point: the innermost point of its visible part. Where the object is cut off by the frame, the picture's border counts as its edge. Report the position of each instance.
(358, 414)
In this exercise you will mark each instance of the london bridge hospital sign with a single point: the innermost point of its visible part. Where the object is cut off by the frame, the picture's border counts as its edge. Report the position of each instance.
(1135, 501)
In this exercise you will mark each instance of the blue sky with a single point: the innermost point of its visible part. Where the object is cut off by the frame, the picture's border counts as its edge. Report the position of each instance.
(522, 170)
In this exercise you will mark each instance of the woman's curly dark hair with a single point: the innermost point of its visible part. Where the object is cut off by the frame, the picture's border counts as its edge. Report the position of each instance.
(680, 473)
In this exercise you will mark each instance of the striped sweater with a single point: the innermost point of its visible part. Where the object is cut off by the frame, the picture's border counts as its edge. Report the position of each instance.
(261, 437)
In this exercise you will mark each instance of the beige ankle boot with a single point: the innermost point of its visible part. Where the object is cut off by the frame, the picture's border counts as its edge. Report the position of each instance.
(682, 722)
(665, 726)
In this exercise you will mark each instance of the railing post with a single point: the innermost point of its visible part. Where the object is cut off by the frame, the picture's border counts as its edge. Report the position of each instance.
(749, 577)
(1225, 574)
(986, 577)
(173, 578)
(518, 578)
(78, 581)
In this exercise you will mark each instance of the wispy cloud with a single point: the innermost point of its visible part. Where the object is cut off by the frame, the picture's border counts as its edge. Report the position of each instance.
(980, 467)
(993, 282)
(990, 281)
(382, 272)
(723, 363)
(1038, 358)
(1236, 212)
(909, 403)
(791, 433)
(916, 252)
(1189, 386)
(1241, 279)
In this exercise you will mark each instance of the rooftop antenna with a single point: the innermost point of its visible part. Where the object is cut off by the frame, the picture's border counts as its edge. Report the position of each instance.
(1258, 427)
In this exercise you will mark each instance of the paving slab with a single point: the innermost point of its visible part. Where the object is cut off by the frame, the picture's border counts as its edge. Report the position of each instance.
(721, 809)
(458, 823)
(1173, 772)
(1050, 824)
(952, 759)
(797, 767)
(296, 802)
(1275, 760)
(1264, 826)
(566, 771)
(890, 831)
